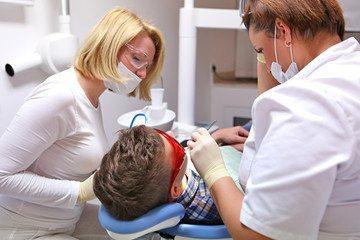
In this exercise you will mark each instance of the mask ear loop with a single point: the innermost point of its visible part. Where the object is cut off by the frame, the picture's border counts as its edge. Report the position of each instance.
(287, 45)
(290, 45)
(275, 44)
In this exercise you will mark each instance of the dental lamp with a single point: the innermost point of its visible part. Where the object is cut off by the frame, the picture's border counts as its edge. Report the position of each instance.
(53, 55)
(54, 52)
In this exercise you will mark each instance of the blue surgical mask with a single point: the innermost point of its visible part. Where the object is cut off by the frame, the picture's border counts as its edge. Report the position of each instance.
(276, 70)
(124, 88)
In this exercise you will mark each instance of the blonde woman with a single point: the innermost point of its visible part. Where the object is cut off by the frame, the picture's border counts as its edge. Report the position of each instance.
(56, 140)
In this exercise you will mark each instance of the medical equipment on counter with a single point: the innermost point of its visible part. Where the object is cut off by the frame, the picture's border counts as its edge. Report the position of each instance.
(163, 219)
(164, 124)
(155, 115)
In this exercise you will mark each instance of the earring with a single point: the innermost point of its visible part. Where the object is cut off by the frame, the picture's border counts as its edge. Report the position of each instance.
(287, 44)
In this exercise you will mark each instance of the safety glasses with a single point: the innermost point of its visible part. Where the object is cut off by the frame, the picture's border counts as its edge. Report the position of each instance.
(179, 155)
(136, 57)
(242, 4)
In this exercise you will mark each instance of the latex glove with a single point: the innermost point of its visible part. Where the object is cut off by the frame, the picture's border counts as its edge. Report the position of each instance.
(86, 191)
(206, 156)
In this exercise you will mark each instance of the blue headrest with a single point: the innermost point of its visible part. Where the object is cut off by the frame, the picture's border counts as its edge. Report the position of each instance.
(154, 217)
(163, 219)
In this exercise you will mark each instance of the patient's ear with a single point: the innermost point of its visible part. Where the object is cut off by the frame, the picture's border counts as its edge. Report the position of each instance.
(175, 191)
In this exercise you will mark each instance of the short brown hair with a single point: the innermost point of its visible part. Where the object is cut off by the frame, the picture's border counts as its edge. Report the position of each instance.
(309, 17)
(97, 54)
(133, 177)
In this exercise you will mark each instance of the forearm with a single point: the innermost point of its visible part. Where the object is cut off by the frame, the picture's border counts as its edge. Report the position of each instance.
(21, 145)
(33, 188)
(265, 79)
(228, 200)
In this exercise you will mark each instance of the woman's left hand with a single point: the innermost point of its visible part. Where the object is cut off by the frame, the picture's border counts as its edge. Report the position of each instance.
(86, 191)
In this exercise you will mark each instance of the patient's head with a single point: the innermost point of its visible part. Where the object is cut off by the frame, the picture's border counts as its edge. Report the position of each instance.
(135, 175)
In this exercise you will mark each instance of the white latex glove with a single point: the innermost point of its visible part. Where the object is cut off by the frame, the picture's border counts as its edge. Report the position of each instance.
(206, 156)
(86, 191)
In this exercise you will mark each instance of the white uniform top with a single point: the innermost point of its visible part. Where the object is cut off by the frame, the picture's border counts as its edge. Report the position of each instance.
(301, 162)
(55, 140)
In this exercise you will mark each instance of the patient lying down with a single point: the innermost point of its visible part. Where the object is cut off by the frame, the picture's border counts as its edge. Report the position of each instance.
(146, 168)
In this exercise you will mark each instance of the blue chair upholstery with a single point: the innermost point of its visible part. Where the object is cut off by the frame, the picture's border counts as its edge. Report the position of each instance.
(198, 231)
(247, 125)
(164, 219)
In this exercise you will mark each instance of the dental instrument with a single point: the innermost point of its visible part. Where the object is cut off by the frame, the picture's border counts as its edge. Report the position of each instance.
(213, 122)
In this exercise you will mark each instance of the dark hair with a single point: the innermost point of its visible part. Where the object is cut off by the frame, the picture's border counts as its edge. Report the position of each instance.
(134, 176)
(308, 17)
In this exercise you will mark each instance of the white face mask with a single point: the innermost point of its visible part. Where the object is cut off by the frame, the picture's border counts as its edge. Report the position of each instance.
(131, 83)
(276, 70)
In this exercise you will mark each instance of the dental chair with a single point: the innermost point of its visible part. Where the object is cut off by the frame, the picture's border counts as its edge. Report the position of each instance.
(164, 220)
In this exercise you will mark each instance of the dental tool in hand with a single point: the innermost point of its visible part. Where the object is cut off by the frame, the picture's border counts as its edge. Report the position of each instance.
(211, 125)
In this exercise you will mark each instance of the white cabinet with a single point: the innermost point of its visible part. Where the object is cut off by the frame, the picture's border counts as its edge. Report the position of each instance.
(230, 100)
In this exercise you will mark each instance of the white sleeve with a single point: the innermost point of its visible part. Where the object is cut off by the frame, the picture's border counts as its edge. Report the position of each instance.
(45, 117)
(300, 139)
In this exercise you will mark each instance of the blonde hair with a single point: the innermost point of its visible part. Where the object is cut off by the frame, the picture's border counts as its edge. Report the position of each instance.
(309, 17)
(97, 54)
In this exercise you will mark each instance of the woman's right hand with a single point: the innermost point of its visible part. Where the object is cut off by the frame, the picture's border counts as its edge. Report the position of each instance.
(206, 156)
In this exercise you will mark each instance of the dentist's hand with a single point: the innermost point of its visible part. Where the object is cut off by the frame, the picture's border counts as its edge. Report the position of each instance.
(86, 192)
(206, 156)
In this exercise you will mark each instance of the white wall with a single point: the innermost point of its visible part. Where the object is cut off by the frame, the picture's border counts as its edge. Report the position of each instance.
(21, 28)
(351, 10)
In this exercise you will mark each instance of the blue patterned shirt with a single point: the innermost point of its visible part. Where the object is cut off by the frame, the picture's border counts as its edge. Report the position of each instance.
(197, 201)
